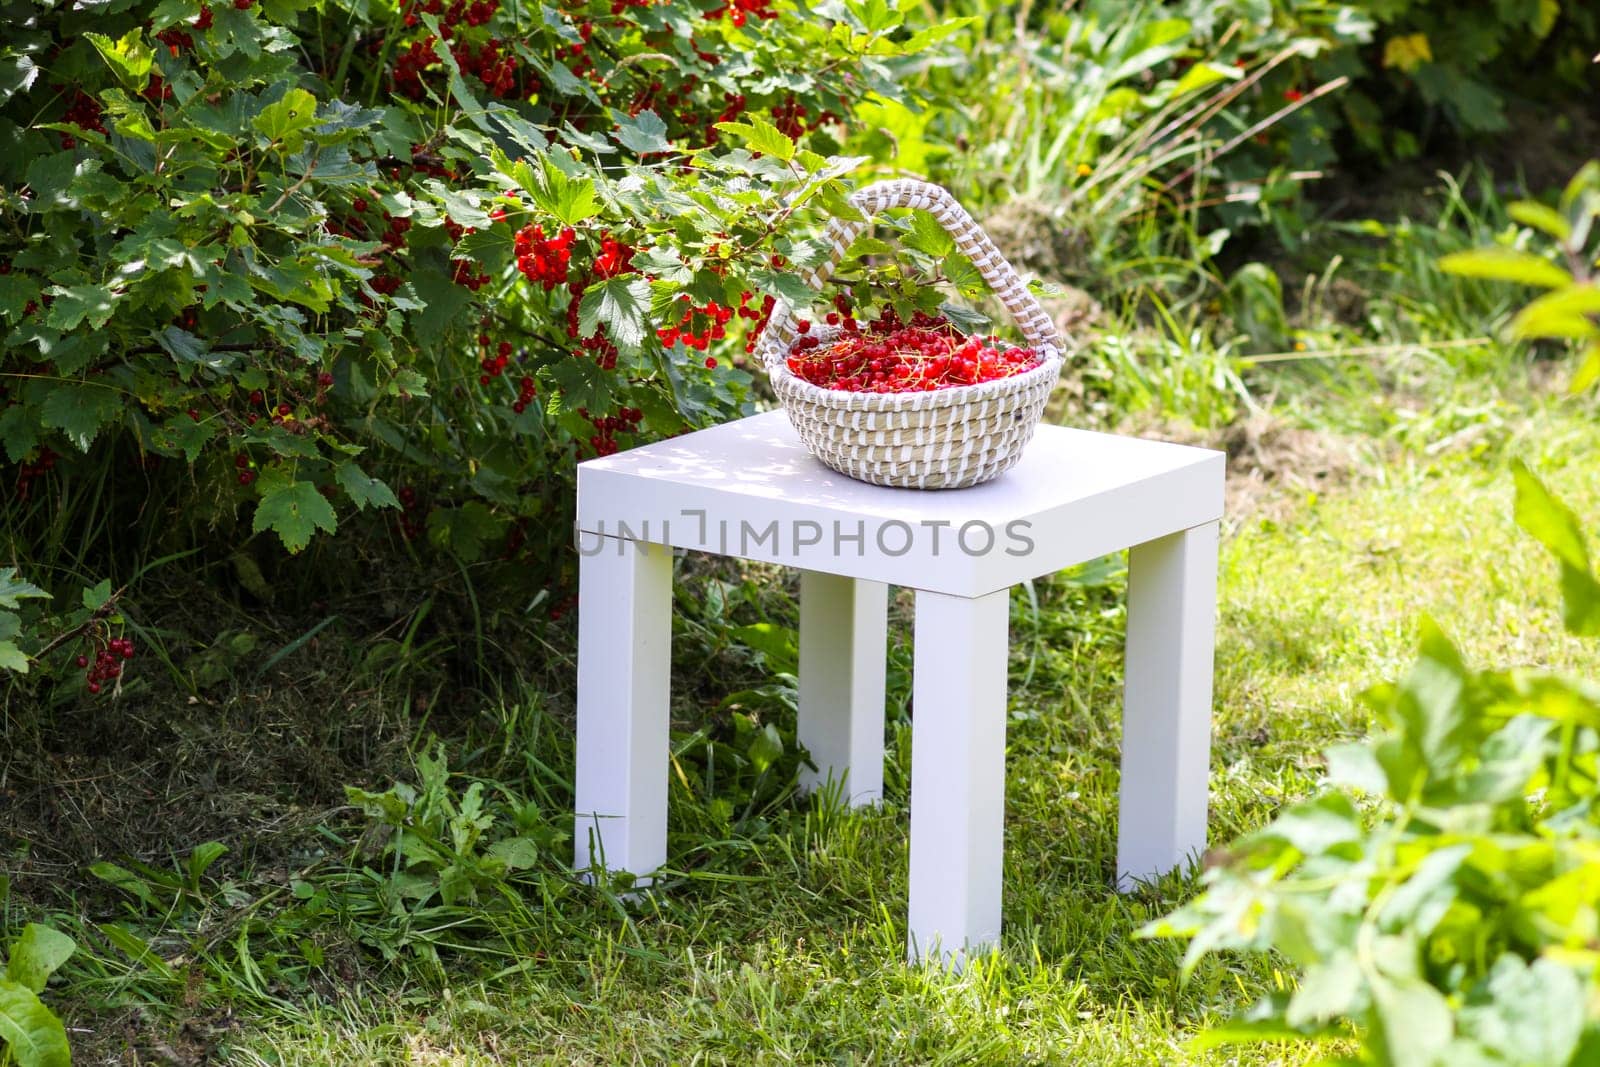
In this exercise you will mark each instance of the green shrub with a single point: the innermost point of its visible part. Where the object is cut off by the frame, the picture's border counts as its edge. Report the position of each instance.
(1463, 63)
(1569, 309)
(1442, 898)
(284, 258)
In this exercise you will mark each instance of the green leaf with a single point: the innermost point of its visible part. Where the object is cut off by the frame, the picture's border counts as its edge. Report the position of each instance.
(129, 57)
(620, 304)
(98, 595)
(642, 134)
(125, 880)
(1531, 1015)
(1317, 825)
(765, 748)
(570, 200)
(37, 954)
(1202, 75)
(942, 30)
(1547, 520)
(517, 853)
(391, 806)
(491, 247)
(17, 75)
(19, 432)
(759, 135)
(77, 304)
(1588, 371)
(294, 512)
(1436, 724)
(13, 658)
(464, 530)
(285, 121)
(365, 490)
(1560, 314)
(1506, 265)
(1540, 217)
(80, 411)
(446, 304)
(13, 590)
(1413, 1025)
(201, 859)
(29, 1030)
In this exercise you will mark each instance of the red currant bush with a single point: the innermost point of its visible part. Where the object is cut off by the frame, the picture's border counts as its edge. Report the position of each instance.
(292, 257)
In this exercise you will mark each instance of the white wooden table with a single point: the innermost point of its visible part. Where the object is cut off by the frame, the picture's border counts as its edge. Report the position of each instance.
(750, 489)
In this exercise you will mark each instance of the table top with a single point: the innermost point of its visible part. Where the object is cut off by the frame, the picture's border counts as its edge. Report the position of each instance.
(1073, 496)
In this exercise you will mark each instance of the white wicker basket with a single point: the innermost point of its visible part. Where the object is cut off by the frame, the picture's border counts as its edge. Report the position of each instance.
(940, 439)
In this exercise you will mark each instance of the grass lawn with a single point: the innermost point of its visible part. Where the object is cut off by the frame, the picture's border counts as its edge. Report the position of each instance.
(784, 944)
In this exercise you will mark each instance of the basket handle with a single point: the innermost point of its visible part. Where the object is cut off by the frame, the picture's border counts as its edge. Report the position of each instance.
(772, 346)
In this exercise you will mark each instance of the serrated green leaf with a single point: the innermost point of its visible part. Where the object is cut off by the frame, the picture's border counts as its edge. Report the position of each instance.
(17, 75)
(13, 589)
(365, 490)
(759, 135)
(620, 304)
(77, 304)
(642, 134)
(464, 530)
(129, 58)
(285, 121)
(294, 512)
(569, 200)
(13, 658)
(80, 411)
(1506, 265)
(98, 595)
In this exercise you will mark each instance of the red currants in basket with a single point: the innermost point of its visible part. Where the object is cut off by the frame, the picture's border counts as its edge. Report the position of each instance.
(890, 356)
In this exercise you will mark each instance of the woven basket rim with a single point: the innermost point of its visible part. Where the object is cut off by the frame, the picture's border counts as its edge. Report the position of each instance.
(785, 380)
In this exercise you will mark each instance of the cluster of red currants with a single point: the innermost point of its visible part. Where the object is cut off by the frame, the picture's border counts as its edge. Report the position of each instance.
(494, 364)
(598, 345)
(107, 664)
(491, 63)
(790, 118)
(713, 319)
(394, 234)
(604, 441)
(526, 391)
(738, 11)
(497, 71)
(758, 318)
(615, 257)
(241, 463)
(85, 113)
(542, 259)
(175, 39)
(892, 357)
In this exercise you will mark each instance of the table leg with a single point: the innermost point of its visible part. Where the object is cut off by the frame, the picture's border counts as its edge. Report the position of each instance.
(958, 748)
(1166, 717)
(624, 678)
(843, 639)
